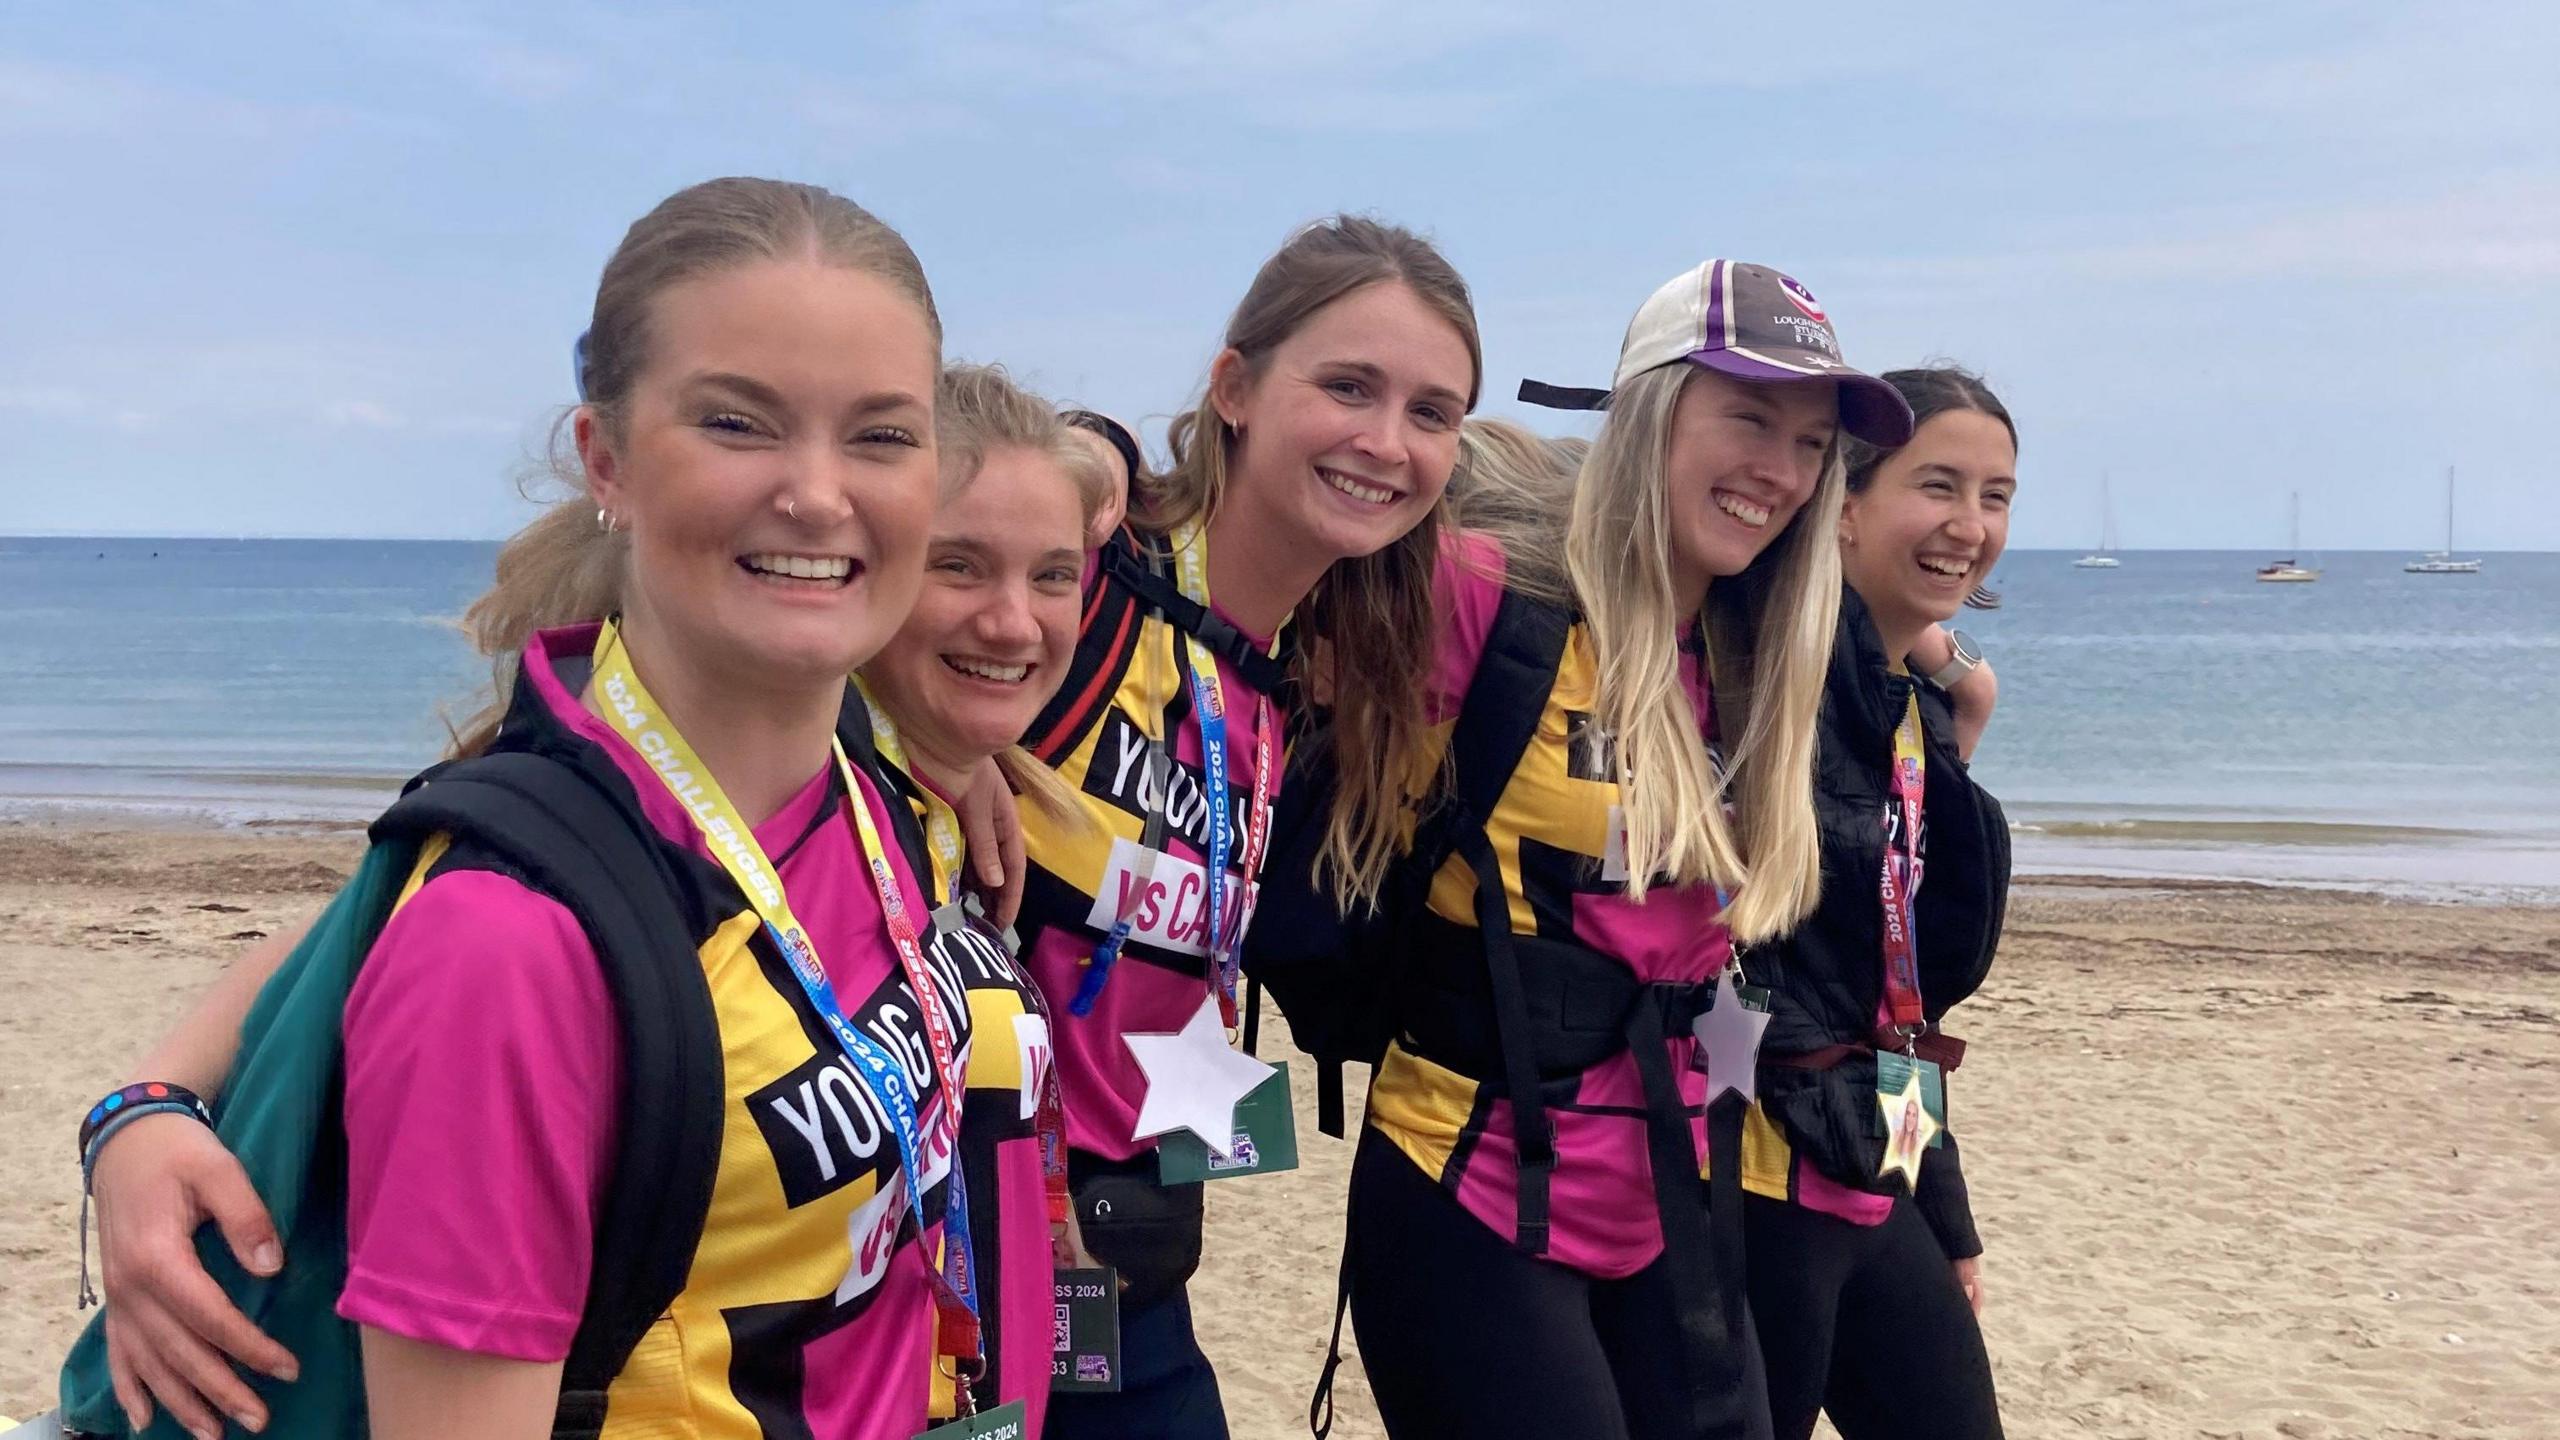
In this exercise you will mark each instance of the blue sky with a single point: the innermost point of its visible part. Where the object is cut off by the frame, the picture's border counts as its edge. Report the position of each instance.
(314, 269)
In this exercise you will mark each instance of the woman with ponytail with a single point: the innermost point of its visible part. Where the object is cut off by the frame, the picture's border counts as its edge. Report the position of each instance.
(756, 471)
(1865, 1264)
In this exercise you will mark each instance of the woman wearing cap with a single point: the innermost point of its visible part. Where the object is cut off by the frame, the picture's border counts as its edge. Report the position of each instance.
(1865, 1275)
(1536, 1130)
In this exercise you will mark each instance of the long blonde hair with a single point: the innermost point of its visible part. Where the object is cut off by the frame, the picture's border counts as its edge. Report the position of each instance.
(1768, 633)
(1370, 614)
(567, 566)
(979, 409)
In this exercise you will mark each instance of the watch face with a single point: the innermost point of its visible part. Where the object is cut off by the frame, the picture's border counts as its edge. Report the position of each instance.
(1966, 650)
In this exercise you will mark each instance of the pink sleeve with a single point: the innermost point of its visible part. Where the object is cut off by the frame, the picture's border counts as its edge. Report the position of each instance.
(482, 1065)
(1466, 589)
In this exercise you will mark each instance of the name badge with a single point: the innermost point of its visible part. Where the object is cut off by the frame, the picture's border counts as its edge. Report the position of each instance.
(1266, 1140)
(1085, 1357)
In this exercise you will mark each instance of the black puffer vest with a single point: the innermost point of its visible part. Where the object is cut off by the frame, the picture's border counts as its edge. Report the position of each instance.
(1827, 979)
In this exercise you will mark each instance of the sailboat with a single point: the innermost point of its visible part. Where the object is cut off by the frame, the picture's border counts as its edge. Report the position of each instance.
(2285, 571)
(2102, 558)
(2441, 562)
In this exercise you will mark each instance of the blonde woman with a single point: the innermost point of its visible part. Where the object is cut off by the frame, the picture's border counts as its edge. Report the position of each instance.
(1621, 791)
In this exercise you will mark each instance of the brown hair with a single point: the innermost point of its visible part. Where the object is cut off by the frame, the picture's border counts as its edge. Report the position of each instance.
(1933, 390)
(567, 566)
(1370, 611)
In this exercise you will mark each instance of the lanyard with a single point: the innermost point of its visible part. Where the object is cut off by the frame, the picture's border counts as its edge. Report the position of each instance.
(941, 826)
(733, 843)
(942, 832)
(1209, 712)
(1901, 883)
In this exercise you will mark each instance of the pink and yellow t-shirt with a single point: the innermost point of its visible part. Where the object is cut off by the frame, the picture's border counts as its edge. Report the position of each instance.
(481, 1076)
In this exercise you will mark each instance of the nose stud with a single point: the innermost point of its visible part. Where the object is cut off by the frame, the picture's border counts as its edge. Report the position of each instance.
(791, 508)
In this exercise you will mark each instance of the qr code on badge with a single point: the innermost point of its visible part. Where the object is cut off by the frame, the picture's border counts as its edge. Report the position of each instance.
(1061, 1344)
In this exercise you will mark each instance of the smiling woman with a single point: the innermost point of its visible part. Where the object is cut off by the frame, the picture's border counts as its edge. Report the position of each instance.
(756, 466)
(1861, 1233)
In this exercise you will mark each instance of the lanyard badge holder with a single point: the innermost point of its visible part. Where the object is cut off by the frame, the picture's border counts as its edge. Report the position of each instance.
(1195, 1078)
(942, 834)
(1910, 1091)
(732, 843)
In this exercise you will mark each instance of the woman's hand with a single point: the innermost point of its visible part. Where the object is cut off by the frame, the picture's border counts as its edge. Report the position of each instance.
(991, 826)
(168, 1325)
(1969, 1280)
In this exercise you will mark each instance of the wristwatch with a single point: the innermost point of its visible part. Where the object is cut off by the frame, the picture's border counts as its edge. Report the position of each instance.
(1968, 658)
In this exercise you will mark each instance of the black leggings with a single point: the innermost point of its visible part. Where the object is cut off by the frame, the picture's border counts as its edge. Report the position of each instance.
(1462, 1335)
(1868, 1323)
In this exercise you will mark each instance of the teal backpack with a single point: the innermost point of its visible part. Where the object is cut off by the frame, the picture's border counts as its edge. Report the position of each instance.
(572, 828)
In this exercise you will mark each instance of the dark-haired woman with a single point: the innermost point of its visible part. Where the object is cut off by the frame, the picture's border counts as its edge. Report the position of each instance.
(1864, 1262)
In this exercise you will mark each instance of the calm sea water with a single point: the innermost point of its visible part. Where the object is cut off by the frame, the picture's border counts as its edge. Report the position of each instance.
(2171, 716)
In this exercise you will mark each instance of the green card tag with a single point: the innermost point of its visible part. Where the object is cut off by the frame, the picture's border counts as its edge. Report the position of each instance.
(1894, 1071)
(1266, 1140)
(1085, 1356)
(1009, 1421)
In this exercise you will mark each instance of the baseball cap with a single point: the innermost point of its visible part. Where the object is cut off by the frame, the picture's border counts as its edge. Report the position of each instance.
(1750, 322)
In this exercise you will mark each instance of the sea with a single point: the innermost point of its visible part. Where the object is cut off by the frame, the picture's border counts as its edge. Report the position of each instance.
(2171, 717)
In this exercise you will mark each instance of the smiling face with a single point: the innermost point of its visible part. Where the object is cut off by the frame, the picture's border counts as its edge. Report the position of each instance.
(992, 632)
(1931, 523)
(1349, 428)
(1744, 457)
(775, 468)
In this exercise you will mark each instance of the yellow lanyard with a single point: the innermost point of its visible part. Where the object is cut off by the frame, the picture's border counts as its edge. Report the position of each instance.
(941, 823)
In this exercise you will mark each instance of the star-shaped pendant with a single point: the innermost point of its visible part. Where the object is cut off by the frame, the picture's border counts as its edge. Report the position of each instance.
(1194, 1080)
(1907, 1129)
(1729, 1043)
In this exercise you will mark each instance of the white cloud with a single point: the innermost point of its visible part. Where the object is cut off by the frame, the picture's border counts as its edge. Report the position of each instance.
(365, 414)
(63, 402)
(2500, 231)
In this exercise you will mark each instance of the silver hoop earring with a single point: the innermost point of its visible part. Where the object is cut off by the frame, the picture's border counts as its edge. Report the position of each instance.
(604, 521)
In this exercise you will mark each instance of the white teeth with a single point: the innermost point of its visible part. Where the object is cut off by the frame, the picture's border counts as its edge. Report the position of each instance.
(1743, 510)
(800, 567)
(1952, 569)
(1369, 494)
(988, 669)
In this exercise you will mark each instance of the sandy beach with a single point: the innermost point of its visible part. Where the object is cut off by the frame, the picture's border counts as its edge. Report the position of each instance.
(2249, 1162)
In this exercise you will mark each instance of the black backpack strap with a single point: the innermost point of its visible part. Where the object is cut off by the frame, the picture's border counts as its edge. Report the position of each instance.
(580, 837)
(1496, 723)
(1142, 575)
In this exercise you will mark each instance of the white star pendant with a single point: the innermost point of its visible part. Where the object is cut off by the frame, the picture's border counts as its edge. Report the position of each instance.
(1729, 1043)
(1194, 1080)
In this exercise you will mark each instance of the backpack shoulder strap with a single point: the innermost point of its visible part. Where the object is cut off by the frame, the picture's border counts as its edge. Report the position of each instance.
(1497, 720)
(1496, 724)
(1106, 638)
(580, 838)
(1141, 573)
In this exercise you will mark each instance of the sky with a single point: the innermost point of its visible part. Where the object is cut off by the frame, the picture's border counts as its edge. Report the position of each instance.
(315, 269)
